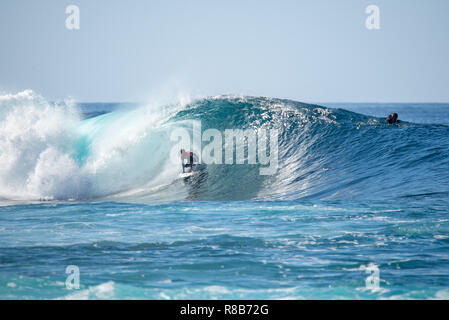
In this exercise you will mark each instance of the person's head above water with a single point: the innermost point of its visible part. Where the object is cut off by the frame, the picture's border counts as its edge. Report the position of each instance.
(392, 118)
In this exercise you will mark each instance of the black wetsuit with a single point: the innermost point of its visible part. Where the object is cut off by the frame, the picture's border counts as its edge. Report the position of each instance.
(190, 163)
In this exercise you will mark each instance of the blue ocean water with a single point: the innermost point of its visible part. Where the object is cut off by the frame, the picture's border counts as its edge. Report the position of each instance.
(90, 186)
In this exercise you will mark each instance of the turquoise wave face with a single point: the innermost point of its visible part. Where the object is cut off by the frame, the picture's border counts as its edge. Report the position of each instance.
(324, 153)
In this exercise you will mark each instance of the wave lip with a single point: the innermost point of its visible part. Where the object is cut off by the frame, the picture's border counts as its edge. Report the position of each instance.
(36, 140)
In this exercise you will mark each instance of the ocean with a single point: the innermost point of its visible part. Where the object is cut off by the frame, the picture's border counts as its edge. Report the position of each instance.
(357, 209)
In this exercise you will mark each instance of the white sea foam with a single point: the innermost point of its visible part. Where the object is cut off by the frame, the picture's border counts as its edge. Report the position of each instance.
(102, 291)
(35, 143)
(48, 152)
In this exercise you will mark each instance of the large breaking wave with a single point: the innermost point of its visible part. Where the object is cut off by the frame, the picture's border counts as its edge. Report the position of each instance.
(49, 151)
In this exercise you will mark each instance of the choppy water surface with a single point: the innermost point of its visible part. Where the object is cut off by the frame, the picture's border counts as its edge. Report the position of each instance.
(351, 192)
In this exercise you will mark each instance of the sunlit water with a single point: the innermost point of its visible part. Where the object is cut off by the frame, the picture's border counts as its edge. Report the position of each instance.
(351, 193)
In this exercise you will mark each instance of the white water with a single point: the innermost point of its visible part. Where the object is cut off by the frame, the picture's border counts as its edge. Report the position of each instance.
(48, 152)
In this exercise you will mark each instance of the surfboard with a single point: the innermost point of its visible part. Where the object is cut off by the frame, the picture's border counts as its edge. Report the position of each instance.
(186, 175)
(196, 169)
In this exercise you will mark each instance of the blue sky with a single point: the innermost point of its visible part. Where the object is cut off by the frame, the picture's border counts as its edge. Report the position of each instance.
(312, 51)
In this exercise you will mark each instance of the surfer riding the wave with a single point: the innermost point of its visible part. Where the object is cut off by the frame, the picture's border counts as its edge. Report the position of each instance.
(190, 157)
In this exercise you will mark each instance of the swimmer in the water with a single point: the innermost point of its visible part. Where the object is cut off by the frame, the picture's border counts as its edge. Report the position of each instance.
(393, 118)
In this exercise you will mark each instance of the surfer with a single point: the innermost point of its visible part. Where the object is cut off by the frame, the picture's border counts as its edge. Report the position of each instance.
(190, 157)
(393, 118)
